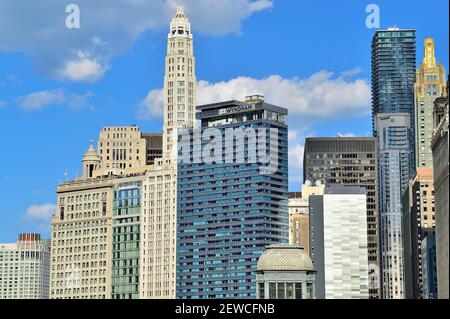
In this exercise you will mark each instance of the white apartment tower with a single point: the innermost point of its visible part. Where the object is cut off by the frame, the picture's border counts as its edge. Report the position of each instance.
(25, 268)
(179, 82)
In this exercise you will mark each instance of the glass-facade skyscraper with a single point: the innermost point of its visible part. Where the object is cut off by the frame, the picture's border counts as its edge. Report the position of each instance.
(232, 197)
(394, 153)
(393, 79)
(394, 76)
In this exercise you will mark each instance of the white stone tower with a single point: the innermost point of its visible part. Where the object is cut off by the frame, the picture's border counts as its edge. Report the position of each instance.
(179, 83)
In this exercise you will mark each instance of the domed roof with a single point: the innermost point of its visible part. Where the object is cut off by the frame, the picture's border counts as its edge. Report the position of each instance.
(285, 257)
(91, 154)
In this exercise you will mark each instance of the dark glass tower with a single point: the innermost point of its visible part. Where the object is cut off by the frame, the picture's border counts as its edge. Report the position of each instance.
(394, 76)
(232, 207)
(393, 71)
(393, 79)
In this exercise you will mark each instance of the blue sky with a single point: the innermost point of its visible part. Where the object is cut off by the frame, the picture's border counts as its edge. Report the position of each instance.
(59, 87)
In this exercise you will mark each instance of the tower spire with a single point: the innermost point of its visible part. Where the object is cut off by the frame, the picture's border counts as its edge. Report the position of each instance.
(180, 12)
(179, 82)
(429, 59)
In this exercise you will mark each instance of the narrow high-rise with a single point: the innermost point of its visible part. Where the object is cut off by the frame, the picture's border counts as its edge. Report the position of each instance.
(394, 155)
(179, 82)
(159, 219)
(393, 79)
(430, 85)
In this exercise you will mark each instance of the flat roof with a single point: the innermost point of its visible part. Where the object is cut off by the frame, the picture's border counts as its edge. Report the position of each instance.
(212, 110)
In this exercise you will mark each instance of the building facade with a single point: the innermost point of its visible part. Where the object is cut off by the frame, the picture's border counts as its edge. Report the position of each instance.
(349, 161)
(418, 222)
(121, 148)
(158, 224)
(430, 84)
(82, 239)
(126, 238)
(429, 267)
(154, 146)
(232, 197)
(338, 239)
(25, 268)
(440, 149)
(285, 272)
(394, 155)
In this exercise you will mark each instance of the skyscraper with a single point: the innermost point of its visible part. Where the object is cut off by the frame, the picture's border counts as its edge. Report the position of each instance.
(179, 82)
(232, 197)
(338, 240)
(25, 268)
(394, 155)
(158, 243)
(430, 84)
(393, 78)
(349, 161)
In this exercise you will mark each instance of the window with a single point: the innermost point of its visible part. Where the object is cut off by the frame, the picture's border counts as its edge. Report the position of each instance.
(298, 290)
(281, 292)
(272, 290)
(289, 290)
(261, 291)
(309, 291)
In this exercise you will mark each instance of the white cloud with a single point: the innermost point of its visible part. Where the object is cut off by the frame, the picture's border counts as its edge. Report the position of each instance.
(2, 104)
(40, 212)
(320, 96)
(151, 106)
(83, 68)
(37, 101)
(106, 29)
